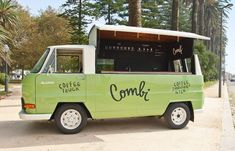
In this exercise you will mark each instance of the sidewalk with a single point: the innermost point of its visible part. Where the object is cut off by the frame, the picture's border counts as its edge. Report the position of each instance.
(228, 132)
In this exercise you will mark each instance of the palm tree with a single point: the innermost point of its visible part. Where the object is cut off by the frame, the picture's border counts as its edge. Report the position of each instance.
(212, 24)
(201, 14)
(195, 16)
(8, 20)
(175, 15)
(135, 13)
(8, 15)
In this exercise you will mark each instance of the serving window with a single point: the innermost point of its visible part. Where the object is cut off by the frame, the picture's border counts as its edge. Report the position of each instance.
(137, 55)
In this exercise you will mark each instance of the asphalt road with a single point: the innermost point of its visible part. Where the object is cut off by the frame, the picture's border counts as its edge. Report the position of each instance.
(231, 89)
(135, 134)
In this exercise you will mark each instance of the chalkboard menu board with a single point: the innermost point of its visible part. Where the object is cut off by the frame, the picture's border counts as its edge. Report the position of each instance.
(117, 49)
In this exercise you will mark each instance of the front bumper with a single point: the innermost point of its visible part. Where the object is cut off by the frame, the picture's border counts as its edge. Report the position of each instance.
(25, 116)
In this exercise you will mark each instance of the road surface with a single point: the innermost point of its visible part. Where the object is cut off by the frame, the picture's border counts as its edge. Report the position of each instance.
(231, 89)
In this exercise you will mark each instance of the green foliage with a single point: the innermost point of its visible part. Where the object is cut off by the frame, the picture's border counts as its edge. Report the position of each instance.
(110, 9)
(8, 14)
(185, 17)
(34, 34)
(68, 63)
(78, 13)
(209, 83)
(2, 78)
(151, 13)
(208, 60)
(8, 21)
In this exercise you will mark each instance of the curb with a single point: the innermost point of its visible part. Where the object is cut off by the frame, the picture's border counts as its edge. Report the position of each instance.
(228, 133)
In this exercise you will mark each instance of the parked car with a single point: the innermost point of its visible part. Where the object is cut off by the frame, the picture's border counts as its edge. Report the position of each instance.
(232, 79)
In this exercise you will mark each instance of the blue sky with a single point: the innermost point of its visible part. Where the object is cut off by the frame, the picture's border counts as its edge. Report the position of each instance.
(36, 5)
(230, 49)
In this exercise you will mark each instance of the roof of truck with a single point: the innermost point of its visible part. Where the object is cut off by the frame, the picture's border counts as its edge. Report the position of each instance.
(71, 46)
(130, 29)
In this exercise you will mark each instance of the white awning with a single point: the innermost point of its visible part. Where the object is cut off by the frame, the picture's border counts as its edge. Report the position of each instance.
(141, 30)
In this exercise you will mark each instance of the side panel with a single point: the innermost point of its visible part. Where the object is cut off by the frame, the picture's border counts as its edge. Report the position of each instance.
(118, 95)
(28, 90)
(54, 88)
(130, 95)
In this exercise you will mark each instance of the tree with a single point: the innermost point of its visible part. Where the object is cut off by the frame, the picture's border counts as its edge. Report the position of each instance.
(150, 13)
(175, 15)
(208, 60)
(135, 13)
(201, 14)
(35, 34)
(22, 36)
(195, 16)
(185, 17)
(8, 20)
(8, 14)
(78, 13)
(109, 9)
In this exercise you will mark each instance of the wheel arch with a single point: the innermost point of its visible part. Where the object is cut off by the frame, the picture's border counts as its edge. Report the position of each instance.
(77, 103)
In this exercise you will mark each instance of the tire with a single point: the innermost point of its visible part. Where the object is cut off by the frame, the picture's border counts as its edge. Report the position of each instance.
(70, 118)
(177, 115)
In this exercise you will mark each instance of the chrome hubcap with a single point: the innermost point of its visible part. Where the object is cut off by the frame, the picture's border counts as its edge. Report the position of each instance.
(178, 116)
(71, 119)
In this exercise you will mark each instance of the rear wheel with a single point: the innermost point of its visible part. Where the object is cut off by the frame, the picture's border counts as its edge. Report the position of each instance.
(70, 118)
(177, 115)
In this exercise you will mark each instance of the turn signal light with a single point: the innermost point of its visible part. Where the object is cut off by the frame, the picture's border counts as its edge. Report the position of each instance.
(29, 106)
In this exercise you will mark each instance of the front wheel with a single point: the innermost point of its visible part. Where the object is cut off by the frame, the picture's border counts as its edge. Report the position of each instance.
(70, 118)
(177, 115)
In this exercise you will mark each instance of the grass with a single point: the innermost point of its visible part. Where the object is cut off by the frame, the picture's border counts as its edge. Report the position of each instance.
(2, 92)
(209, 83)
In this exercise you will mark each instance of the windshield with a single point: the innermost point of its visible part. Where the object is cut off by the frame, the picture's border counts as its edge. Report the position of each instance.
(40, 62)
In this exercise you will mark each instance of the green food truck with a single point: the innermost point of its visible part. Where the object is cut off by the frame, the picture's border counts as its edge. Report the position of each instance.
(123, 72)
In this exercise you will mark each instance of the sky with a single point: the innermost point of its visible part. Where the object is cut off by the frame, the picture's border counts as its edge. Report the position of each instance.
(230, 49)
(35, 6)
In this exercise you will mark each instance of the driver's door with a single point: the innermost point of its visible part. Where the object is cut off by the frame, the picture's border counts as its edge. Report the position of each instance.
(60, 80)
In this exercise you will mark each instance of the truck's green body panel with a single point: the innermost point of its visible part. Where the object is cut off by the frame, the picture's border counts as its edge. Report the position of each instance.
(142, 94)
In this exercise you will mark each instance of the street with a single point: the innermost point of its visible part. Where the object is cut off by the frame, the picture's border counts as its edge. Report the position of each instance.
(147, 133)
(231, 89)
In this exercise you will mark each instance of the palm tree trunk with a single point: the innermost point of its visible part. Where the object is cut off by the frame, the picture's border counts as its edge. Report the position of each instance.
(207, 29)
(80, 21)
(201, 14)
(175, 15)
(109, 15)
(194, 16)
(135, 13)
